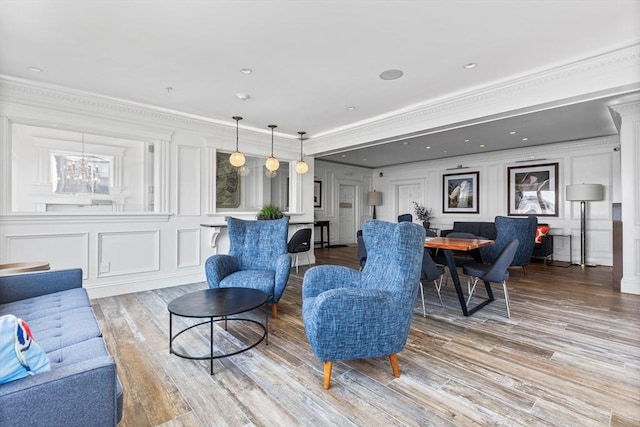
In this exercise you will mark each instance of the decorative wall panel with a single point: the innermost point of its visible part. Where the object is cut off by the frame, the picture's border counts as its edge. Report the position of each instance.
(128, 252)
(188, 247)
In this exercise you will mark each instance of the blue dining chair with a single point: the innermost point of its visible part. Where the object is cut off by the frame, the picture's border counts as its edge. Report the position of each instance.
(431, 272)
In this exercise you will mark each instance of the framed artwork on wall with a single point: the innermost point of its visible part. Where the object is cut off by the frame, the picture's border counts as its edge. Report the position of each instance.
(460, 193)
(227, 183)
(317, 194)
(533, 190)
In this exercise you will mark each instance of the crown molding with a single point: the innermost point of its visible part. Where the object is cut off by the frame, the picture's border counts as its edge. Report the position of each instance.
(604, 75)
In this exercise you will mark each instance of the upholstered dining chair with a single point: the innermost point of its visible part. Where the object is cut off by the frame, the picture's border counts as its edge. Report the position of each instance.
(431, 272)
(300, 242)
(498, 272)
(257, 259)
(362, 250)
(405, 217)
(351, 314)
(507, 229)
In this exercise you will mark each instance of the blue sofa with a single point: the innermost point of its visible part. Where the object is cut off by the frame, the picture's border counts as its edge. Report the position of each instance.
(82, 388)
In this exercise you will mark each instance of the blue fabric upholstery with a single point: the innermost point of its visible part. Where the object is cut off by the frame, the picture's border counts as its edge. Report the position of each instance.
(521, 229)
(350, 314)
(257, 258)
(82, 387)
(405, 218)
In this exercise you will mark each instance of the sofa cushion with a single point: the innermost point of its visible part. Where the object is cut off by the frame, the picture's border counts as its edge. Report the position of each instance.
(20, 356)
(45, 305)
(541, 231)
(65, 328)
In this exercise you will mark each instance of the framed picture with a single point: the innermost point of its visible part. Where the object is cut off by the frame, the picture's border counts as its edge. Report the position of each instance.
(460, 193)
(533, 190)
(317, 194)
(227, 183)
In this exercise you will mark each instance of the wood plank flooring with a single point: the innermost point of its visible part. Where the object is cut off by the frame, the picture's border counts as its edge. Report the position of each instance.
(569, 356)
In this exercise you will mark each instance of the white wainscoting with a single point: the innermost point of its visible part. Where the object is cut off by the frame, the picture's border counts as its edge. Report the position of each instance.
(188, 185)
(127, 252)
(187, 247)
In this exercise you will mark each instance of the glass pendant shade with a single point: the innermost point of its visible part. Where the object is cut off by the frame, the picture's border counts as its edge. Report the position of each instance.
(272, 163)
(237, 158)
(301, 167)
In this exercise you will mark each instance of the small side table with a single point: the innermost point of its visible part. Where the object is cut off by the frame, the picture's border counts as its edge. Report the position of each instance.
(322, 225)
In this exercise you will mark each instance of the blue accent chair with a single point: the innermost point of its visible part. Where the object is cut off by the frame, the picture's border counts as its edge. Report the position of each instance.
(257, 259)
(351, 314)
(521, 229)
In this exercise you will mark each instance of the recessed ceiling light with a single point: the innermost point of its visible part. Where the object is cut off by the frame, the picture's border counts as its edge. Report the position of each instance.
(513, 132)
(34, 69)
(470, 65)
(351, 108)
(364, 160)
(525, 139)
(445, 151)
(466, 140)
(242, 96)
(246, 70)
(428, 147)
(391, 74)
(481, 145)
(405, 143)
(343, 156)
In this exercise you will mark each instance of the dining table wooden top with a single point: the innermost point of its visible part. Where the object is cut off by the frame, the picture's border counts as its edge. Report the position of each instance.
(456, 244)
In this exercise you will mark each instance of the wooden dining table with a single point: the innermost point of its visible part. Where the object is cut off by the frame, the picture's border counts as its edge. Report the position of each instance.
(448, 245)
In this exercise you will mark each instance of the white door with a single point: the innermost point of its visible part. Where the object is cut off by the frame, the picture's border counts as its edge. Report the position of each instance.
(347, 214)
(407, 194)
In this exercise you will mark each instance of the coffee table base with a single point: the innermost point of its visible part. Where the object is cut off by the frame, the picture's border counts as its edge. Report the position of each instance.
(211, 321)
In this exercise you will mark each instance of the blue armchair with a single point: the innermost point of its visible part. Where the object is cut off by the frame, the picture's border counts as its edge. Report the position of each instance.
(350, 314)
(257, 259)
(507, 229)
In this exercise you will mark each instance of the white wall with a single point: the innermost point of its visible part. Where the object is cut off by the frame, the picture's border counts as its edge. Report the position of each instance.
(125, 252)
(588, 161)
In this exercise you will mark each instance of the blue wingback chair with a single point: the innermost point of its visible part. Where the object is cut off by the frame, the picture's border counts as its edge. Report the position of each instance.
(350, 314)
(507, 229)
(257, 259)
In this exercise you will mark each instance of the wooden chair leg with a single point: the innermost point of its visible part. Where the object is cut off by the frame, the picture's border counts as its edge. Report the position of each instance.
(524, 270)
(274, 310)
(393, 358)
(327, 374)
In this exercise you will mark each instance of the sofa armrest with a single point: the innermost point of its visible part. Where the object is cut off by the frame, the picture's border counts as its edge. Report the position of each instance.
(17, 287)
(80, 394)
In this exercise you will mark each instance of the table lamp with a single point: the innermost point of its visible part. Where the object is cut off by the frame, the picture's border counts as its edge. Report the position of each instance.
(374, 198)
(584, 193)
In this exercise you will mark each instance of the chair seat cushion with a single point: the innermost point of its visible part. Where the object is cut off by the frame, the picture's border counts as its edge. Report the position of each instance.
(263, 280)
(481, 270)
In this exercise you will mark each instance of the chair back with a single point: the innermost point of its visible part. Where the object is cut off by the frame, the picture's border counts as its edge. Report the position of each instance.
(394, 258)
(460, 235)
(300, 241)
(257, 244)
(430, 270)
(522, 229)
(362, 251)
(405, 218)
(499, 270)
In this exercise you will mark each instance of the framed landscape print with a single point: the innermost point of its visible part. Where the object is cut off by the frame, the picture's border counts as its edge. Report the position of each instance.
(317, 194)
(227, 183)
(460, 193)
(533, 190)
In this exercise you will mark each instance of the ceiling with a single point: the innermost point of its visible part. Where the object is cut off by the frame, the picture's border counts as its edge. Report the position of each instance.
(311, 60)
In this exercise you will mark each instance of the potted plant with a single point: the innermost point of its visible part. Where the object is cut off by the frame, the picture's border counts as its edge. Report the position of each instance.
(423, 214)
(270, 211)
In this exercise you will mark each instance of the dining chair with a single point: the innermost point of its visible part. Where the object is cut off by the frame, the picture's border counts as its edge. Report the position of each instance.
(430, 272)
(498, 272)
(405, 218)
(362, 250)
(300, 242)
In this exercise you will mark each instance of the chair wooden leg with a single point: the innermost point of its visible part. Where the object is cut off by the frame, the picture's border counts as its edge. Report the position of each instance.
(327, 374)
(524, 270)
(274, 310)
(393, 358)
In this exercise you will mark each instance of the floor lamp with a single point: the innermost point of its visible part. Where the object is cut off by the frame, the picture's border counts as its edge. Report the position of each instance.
(374, 198)
(584, 193)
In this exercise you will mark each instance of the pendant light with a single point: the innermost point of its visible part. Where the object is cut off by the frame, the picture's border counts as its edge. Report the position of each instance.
(272, 163)
(301, 167)
(237, 158)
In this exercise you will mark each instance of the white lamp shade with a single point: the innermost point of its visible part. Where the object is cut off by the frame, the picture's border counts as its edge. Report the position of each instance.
(237, 159)
(302, 167)
(272, 164)
(586, 192)
(374, 198)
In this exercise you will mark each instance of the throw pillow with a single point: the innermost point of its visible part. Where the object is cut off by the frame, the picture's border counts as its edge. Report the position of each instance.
(541, 231)
(20, 356)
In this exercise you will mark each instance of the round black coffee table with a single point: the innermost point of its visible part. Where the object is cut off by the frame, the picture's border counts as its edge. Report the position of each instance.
(216, 305)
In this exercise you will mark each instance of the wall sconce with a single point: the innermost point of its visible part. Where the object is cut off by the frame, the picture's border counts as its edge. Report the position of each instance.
(374, 198)
(584, 193)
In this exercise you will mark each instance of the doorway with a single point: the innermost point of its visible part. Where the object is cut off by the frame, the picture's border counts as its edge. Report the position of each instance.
(347, 214)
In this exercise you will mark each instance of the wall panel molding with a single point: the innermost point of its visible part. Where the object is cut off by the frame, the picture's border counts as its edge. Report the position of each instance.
(128, 252)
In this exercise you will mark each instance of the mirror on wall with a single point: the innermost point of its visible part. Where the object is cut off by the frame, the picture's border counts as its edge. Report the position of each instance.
(251, 186)
(56, 170)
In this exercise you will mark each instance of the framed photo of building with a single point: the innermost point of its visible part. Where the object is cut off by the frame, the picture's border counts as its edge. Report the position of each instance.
(227, 183)
(533, 190)
(317, 194)
(460, 193)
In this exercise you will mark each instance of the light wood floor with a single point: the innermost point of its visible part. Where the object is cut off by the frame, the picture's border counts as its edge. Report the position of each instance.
(569, 356)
